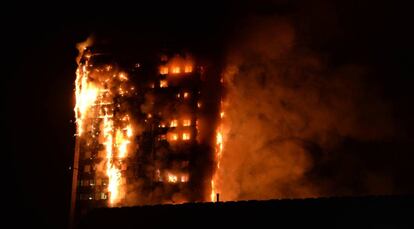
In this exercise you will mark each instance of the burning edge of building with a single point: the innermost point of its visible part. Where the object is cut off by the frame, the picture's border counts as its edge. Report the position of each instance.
(146, 134)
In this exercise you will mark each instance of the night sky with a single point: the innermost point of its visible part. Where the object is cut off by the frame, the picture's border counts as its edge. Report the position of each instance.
(41, 46)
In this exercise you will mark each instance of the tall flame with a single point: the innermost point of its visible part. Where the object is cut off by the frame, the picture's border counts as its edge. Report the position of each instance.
(94, 102)
(218, 156)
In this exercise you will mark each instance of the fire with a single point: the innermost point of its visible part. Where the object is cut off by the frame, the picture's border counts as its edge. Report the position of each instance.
(176, 69)
(218, 156)
(188, 68)
(163, 83)
(177, 65)
(172, 178)
(174, 137)
(186, 122)
(94, 112)
(174, 123)
(186, 136)
(163, 70)
(177, 178)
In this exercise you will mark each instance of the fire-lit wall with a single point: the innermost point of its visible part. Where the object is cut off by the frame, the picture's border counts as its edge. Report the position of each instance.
(138, 135)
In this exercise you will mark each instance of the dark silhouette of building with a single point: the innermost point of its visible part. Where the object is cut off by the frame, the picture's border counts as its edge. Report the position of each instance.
(345, 212)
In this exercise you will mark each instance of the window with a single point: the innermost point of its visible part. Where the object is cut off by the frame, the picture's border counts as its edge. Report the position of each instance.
(104, 196)
(186, 122)
(176, 69)
(87, 169)
(174, 137)
(186, 136)
(163, 83)
(188, 68)
(186, 95)
(163, 70)
(173, 123)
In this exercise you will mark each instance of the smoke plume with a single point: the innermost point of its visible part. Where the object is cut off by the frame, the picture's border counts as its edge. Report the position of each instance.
(289, 115)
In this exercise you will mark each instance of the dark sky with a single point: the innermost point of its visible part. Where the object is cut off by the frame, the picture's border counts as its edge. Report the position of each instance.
(41, 45)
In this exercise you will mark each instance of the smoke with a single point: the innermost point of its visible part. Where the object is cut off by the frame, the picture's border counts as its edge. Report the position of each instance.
(288, 116)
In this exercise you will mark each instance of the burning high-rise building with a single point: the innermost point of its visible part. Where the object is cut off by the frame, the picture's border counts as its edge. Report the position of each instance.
(138, 133)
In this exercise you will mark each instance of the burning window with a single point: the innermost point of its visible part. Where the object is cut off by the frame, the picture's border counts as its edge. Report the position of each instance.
(186, 122)
(163, 83)
(186, 95)
(174, 137)
(104, 196)
(176, 69)
(186, 136)
(174, 123)
(163, 70)
(171, 178)
(161, 125)
(188, 68)
(184, 178)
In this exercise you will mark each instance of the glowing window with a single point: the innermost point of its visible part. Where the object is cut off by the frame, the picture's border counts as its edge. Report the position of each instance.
(176, 69)
(186, 122)
(184, 178)
(173, 123)
(172, 178)
(186, 136)
(188, 68)
(163, 83)
(186, 95)
(164, 70)
(174, 137)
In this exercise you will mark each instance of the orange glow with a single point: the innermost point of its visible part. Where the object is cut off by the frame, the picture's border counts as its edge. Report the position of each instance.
(174, 137)
(186, 122)
(174, 123)
(219, 154)
(188, 68)
(177, 65)
(186, 136)
(163, 70)
(176, 69)
(184, 178)
(95, 105)
(186, 94)
(163, 83)
(122, 76)
(172, 178)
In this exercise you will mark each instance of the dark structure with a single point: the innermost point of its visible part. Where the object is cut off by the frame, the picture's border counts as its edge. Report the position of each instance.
(345, 212)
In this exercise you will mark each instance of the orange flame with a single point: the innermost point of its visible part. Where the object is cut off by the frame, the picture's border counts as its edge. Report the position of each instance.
(218, 156)
(95, 101)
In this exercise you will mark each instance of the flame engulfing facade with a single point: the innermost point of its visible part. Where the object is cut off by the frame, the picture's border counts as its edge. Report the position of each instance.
(138, 135)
